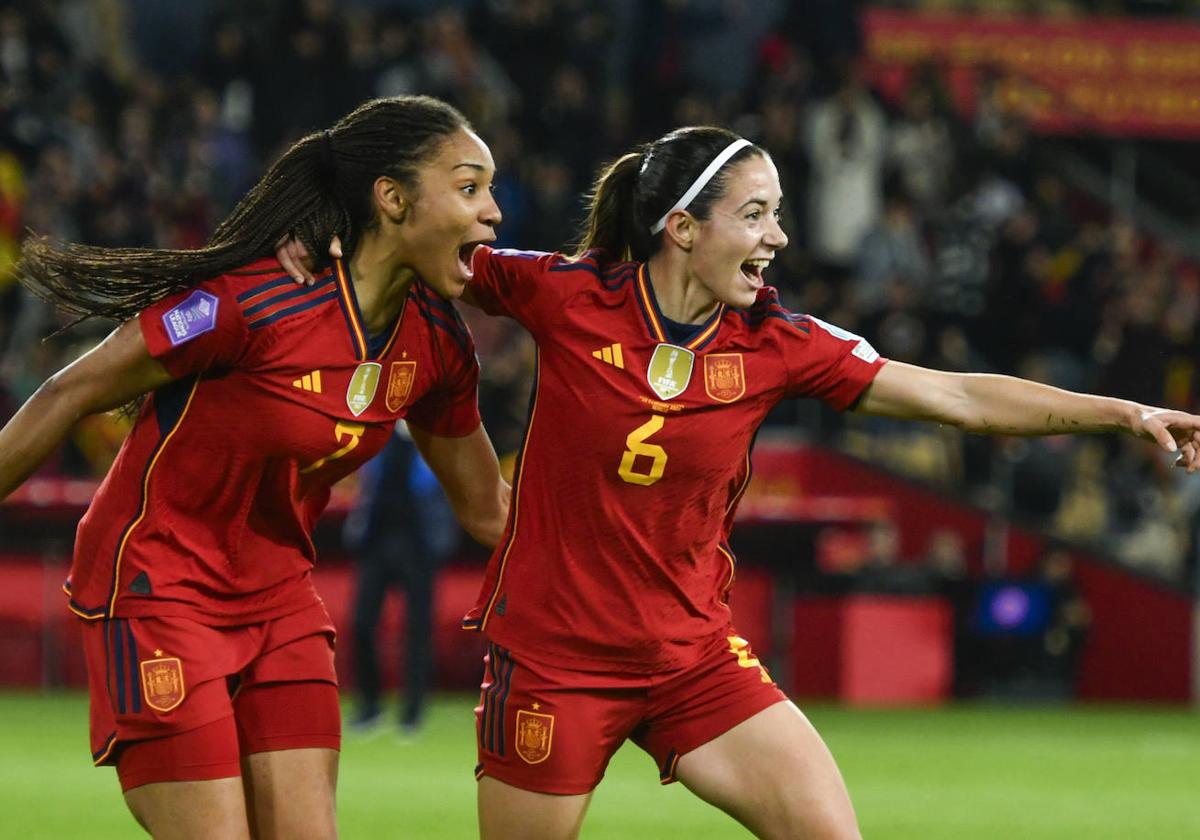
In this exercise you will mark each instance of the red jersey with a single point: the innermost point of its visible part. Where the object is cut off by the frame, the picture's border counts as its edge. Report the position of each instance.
(208, 509)
(637, 451)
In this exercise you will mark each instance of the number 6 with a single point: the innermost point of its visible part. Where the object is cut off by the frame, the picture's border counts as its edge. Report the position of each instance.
(636, 445)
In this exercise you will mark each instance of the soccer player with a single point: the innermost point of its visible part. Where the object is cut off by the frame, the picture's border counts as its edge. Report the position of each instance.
(660, 351)
(210, 654)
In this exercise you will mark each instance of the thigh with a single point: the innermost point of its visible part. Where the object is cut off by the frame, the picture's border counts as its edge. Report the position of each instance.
(510, 813)
(191, 810)
(691, 707)
(773, 774)
(186, 785)
(290, 793)
(550, 730)
(289, 735)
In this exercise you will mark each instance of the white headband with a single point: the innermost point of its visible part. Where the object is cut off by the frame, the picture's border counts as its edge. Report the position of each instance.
(702, 181)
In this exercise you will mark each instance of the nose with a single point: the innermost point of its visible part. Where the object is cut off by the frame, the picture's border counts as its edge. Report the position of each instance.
(491, 215)
(775, 237)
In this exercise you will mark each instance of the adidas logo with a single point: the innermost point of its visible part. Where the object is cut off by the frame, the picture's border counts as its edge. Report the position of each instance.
(610, 355)
(309, 382)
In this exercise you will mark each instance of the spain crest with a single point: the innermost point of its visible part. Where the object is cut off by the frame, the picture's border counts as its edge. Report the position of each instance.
(162, 682)
(724, 376)
(535, 733)
(399, 385)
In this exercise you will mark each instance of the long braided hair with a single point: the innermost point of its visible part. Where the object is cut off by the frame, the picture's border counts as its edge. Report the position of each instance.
(322, 186)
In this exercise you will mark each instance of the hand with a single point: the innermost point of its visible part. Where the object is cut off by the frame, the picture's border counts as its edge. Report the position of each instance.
(296, 260)
(1174, 431)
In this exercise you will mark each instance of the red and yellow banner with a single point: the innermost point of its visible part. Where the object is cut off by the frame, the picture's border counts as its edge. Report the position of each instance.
(1101, 76)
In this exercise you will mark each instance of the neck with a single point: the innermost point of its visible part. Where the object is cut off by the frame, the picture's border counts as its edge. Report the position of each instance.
(680, 295)
(381, 283)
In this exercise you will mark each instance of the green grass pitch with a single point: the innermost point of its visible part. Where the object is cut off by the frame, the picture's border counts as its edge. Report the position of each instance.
(974, 772)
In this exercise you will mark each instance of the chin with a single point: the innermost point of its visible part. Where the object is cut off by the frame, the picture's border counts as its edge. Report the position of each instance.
(450, 289)
(741, 298)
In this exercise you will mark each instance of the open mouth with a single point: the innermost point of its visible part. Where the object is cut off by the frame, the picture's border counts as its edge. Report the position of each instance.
(752, 270)
(466, 253)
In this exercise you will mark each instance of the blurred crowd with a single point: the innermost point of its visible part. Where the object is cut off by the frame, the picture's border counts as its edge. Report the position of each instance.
(946, 239)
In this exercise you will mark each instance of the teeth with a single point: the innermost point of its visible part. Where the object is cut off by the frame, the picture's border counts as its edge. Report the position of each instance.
(758, 263)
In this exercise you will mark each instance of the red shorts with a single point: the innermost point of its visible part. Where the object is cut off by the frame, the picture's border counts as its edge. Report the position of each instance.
(553, 730)
(153, 678)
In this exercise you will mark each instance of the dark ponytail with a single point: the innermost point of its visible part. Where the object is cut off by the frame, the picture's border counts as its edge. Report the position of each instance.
(612, 224)
(632, 193)
(320, 188)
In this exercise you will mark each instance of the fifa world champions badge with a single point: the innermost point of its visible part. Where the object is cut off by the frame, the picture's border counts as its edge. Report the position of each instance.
(724, 376)
(363, 385)
(535, 736)
(670, 370)
(162, 682)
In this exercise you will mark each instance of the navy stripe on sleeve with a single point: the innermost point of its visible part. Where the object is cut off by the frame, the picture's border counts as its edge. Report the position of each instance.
(259, 289)
(292, 310)
(251, 311)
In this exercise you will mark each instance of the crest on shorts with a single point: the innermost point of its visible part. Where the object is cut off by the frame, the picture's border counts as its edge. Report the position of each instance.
(162, 682)
(535, 733)
(363, 385)
(724, 376)
(670, 370)
(399, 385)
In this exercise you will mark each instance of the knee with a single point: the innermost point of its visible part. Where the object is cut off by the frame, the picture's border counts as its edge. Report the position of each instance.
(824, 823)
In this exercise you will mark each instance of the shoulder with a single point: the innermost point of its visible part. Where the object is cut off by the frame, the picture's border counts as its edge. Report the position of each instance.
(265, 295)
(592, 267)
(768, 314)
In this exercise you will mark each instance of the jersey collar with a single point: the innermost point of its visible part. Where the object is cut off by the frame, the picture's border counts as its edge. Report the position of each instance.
(354, 318)
(648, 303)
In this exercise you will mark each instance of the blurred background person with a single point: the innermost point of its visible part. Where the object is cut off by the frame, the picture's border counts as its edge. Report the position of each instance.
(400, 531)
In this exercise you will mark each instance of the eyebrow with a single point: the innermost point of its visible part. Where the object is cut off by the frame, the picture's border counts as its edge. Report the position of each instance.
(761, 201)
(477, 166)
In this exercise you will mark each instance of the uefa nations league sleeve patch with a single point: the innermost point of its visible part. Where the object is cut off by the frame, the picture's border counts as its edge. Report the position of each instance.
(195, 316)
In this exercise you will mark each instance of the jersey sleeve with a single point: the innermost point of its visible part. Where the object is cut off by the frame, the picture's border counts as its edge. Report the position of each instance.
(527, 286)
(828, 363)
(196, 329)
(452, 409)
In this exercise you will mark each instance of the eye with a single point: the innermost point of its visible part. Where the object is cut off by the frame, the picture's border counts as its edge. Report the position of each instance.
(777, 213)
(754, 215)
(471, 188)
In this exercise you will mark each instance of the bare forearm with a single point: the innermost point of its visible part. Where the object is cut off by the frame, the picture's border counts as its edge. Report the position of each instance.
(29, 438)
(486, 523)
(110, 375)
(1005, 405)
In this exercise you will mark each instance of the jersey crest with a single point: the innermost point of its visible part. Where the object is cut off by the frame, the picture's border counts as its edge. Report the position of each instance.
(535, 736)
(670, 370)
(363, 385)
(724, 376)
(399, 385)
(162, 682)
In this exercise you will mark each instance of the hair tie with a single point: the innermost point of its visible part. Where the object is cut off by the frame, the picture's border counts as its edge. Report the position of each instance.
(328, 166)
(702, 181)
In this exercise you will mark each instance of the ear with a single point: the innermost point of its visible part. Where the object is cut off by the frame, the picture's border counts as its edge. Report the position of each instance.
(390, 199)
(681, 229)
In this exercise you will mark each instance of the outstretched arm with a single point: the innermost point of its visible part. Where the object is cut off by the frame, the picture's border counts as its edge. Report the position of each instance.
(470, 474)
(1005, 405)
(116, 371)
